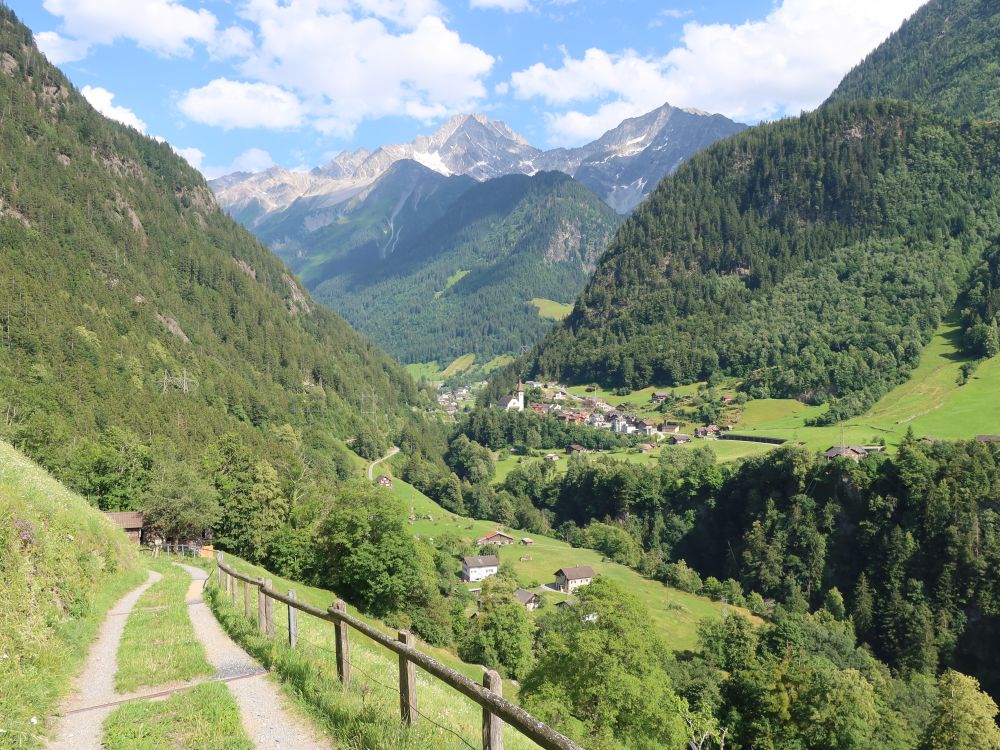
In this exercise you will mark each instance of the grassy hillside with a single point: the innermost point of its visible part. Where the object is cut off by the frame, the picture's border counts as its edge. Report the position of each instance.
(946, 56)
(674, 612)
(930, 403)
(62, 566)
(133, 304)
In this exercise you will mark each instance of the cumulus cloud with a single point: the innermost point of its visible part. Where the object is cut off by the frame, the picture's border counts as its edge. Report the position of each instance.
(251, 160)
(193, 156)
(345, 69)
(787, 62)
(165, 27)
(237, 104)
(59, 49)
(102, 100)
(510, 6)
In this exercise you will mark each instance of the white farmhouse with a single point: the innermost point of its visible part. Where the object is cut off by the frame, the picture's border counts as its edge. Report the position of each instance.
(479, 568)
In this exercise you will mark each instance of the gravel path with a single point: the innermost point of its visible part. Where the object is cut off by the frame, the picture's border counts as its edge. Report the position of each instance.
(377, 461)
(264, 714)
(96, 684)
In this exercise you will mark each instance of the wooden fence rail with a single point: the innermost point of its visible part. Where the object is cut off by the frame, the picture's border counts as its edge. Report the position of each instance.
(496, 709)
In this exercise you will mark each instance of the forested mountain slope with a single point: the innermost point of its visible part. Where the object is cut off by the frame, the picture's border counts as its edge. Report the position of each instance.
(947, 57)
(812, 257)
(463, 282)
(138, 323)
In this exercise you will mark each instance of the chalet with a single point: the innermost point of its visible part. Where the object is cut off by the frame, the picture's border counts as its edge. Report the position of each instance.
(384, 481)
(529, 599)
(496, 537)
(988, 438)
(658, 397)
(679, 439)
(646, 426)
(569, 580)
(707, 431)
(130, 522)
(571, 604)
(647, 447)
(552, 456)
(577, 448)
(479, 568)
(853, 452)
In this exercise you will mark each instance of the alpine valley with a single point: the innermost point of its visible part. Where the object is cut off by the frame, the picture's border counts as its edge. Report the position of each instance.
(436, 248)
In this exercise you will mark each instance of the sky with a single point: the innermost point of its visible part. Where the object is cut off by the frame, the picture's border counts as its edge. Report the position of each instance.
(246, 84)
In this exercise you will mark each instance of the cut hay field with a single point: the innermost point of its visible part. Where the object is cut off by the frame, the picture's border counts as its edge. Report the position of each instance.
(551, 309)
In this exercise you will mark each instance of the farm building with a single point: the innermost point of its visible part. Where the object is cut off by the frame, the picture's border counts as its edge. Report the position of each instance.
(569, 580)
(679, 439)
(496, 537)
(131, 522)
(529, 599)
(384, 481)
(853, 452)
(479, 568)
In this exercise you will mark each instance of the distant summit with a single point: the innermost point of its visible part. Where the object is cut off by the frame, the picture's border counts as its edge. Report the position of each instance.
(621, 167)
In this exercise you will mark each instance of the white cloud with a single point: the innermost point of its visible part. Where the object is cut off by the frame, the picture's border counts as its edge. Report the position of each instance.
(102, 100)
(509, 6)
(237, 104)
(785, 63)
(59, 49)
(193, 156)
(346, 69)
(232, 42)
(251, 160)
(165, 27)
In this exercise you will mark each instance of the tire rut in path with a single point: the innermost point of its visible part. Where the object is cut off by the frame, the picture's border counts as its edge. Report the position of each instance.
(96, 684)
(263, 712)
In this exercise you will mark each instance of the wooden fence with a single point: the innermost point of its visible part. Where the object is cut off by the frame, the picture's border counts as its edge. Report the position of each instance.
(497, 711)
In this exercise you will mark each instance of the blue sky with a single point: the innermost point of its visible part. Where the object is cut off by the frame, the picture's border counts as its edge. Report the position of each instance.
(248, 83)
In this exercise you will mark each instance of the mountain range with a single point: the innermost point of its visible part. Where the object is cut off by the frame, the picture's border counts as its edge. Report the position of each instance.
(621, 167)
(417, 246)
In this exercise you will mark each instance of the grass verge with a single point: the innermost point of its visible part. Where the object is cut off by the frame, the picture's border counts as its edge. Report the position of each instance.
(62, 567)
(204, 717)
(159, 644)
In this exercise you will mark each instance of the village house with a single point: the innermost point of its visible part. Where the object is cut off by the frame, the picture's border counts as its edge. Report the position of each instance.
(647, 447)
(569, 580)
(646, 427)
(130, 522)
(384, 481)
(853, 452)
(539, 408)
(679, 439)
(711, 430)
(530, 600)
(668, 428)
(577, 448)
(658, 397)
(552, 457)
(479, 568)
(571, 604)
(496, 537)
(596, 419)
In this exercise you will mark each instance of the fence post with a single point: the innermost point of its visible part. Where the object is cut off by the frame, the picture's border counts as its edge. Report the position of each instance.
(261, 606)
(268, 608)
(218, 558)
(492, 725)
(246, 599)
(407, 683)
(234, 589)
(343, 644)
(293, 622)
